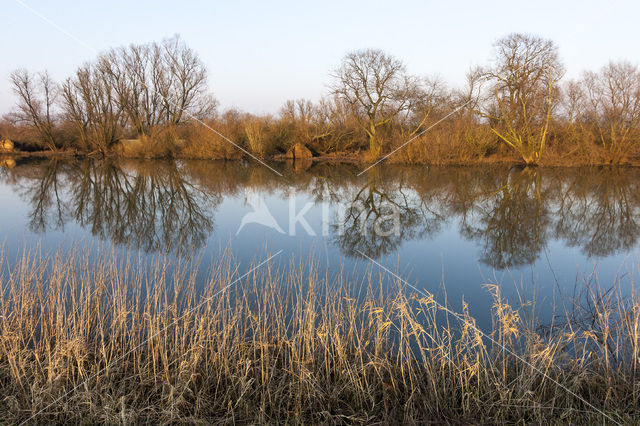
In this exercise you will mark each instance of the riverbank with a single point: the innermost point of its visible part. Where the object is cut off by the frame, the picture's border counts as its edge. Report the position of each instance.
(115, 341)
(360, 158)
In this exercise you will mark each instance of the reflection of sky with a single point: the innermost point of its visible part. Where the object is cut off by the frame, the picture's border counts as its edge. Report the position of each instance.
(443, 257)
(427, 262)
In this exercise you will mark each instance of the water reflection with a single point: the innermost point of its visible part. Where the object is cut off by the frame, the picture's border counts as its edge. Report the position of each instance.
(512, 220)
(380, 213)
(150, 205)
(599, 211)
(512, 214)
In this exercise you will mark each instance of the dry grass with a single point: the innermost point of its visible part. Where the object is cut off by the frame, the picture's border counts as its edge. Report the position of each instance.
(85, 341)
(161, 143)
(202, 143)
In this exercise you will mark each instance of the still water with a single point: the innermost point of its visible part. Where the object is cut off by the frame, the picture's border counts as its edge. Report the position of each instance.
(543, 234)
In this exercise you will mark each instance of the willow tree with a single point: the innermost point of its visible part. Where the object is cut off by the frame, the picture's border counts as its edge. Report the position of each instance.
(376, 87)
(523, 89)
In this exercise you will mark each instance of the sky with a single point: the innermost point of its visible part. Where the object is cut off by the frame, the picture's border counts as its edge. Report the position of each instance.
(261, 53)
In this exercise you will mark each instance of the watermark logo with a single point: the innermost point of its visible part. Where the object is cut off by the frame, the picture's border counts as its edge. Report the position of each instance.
(379, 220)
(260, 214)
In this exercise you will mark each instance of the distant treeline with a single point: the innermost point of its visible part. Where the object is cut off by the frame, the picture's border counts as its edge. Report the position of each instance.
(153, 100)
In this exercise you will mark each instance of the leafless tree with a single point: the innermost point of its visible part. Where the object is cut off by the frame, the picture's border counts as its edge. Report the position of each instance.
(184, 84)
(299, 115)
(36, 98)
(335, 127)
(429, 95)
(573, 105)
(612, 107)
(90, 102)
(159, 84)
(376, 87)
(523, 81)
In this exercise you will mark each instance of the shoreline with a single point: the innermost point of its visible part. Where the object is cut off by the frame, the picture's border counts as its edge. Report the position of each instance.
(340, 158)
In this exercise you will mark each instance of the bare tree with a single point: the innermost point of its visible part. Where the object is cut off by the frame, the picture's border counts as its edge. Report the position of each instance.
(612, 107)
(75, 110)
(523, 89)
(573, 105)
(299, 115)
(376, 87)
(429, 95)
(158, 85)
(90, 102)
(335, 127)
(129, 70)
(183, 82)
(36, 98)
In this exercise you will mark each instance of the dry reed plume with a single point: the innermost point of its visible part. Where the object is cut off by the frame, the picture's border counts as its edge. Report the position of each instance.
(290, 347)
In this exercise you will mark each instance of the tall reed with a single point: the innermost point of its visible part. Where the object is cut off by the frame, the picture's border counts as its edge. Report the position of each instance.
(120, 340)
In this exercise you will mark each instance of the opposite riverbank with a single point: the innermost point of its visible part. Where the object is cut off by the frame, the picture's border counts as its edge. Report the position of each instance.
(361, 158)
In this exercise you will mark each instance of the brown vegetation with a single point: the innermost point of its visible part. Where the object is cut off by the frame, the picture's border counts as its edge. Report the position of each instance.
(119, 342)
(517, 109)
(6, 146)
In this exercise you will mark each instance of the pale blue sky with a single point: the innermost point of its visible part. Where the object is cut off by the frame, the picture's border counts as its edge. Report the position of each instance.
(260, 54)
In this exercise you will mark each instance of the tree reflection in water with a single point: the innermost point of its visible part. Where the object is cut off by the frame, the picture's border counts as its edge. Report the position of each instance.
(599, 211)
(512, 221)
(380, 214)
(148, 204)
(511, 213)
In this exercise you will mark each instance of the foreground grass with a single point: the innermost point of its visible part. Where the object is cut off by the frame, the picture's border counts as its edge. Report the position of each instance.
(116, 341)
